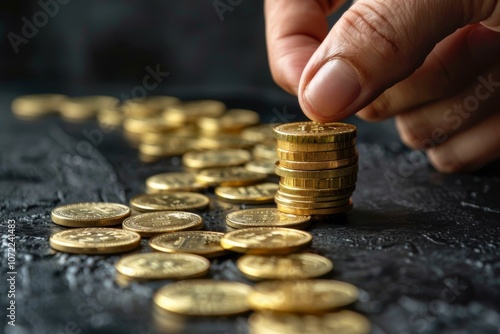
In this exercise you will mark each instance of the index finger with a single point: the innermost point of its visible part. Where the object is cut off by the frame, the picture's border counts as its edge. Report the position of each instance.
(294, 30)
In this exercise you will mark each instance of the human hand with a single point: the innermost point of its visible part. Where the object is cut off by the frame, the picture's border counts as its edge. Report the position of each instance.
(402, 58)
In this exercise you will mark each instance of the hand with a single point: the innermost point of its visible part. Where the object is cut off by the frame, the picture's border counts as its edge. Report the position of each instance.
(402, 58)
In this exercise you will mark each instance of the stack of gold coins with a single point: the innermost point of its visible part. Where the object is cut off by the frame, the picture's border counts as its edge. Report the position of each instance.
(318, 166)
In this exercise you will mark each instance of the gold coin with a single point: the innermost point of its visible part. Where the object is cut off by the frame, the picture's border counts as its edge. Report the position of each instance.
(234, 120)
(224, 141)
(90, 214)
(220, 158)
(317, 165)
(265, 217)
(337, 182)
(186, 133)
(265, 151)
(260, 193)
(261, 166)
(316, 174)
(85, 107)
(308, 192)
(266, 240)
(173, 201)
(229, 176)
(302, 296)
(189, 112)
(139, 126)
(259, 133)
(312, 204)
(292, 266)
(109, 118)
(167, 182)
(311, 132)
(203, 298)
(148, 106)
(95, 240)
(306, 199)
(178, 146)
(36, 105)
(203, 243)
(317, 156)
(302, 211)
(149, 266)
(154, 223)
(344, 322)
(313, 147)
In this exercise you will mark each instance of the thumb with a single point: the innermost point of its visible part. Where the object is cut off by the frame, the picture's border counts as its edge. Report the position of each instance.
(377, 43)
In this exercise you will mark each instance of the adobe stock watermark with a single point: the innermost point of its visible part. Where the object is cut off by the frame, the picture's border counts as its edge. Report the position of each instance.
(454, 117)
(420, 320)
(223, 6)
(151, 80)
(48, 9)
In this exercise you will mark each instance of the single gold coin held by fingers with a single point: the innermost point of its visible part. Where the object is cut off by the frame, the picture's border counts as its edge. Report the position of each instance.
(90, 214)
(302, 296)
(205, 243)
(154, 223)
(255, 194)
(203, 298)
(95, 240)
(266, 240)
(150, 266)
(266, 217)
(173, 201)
(292, 266)
(342, 322)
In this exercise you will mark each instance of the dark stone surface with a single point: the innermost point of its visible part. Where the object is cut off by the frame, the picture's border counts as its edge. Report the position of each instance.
(423, 247)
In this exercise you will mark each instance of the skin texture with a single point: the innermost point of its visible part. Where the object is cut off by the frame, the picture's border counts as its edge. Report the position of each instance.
(433, 65)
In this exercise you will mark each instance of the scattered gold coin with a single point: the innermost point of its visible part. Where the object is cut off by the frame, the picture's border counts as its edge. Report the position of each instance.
(189, 112)
(341, 322)
(292, 266)
(302, 296)
(140, 126)
(203, 298)
(266, 240)
(311, 132)
(154, 223)
(262, 166)
(90, 214)
(173, 201)
(149, 266)
(203, 243)
(85, 107)
(37, 105)
(229, 176)
(265, 151)
(95, 240)
(224, 141)
(265, 217)
(174, 147)
(260, 193)
(149, 105)
(233, 121)
(168, 182)
(220, 158)
(259, 133)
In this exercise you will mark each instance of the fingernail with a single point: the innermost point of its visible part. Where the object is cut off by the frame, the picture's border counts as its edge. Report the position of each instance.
(334, 88)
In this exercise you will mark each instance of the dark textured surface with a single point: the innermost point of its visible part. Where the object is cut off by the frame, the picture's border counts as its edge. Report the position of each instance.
(422, 246)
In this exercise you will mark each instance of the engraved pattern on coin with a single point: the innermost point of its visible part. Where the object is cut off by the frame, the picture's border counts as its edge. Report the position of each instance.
(152, 223)
(204, 243)
(169, 201)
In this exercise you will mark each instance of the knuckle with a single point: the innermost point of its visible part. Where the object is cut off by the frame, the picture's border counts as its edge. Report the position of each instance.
(377, 110)
(446, 162)
(406, 127)
(369, 24)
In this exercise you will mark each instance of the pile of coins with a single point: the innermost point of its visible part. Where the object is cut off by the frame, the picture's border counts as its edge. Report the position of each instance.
(226, 157)
(318, 166)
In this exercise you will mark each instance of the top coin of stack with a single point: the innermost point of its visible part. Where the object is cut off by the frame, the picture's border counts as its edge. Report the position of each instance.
(318, 166)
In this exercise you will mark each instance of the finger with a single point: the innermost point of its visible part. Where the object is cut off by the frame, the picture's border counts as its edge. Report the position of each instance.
(434, 123)
(294, 30)
(469, 150)
(375, 44)
(453, 63)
